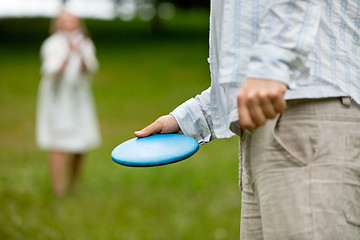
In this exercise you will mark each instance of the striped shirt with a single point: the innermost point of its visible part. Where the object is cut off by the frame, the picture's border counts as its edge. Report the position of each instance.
(311, 45)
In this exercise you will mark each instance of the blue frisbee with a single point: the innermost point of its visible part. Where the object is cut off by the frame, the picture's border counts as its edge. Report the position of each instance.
(154, 150)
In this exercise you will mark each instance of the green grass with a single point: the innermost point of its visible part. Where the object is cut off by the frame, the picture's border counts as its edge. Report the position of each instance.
(142, 75)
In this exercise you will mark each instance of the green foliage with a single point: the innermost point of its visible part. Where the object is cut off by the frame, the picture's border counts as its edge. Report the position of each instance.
(142, 75)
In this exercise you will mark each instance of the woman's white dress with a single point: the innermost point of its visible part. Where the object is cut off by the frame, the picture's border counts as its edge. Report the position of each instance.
(66, 116)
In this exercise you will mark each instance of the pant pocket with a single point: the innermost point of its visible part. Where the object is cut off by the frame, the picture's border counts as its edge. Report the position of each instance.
(351, 181)
(298, 137)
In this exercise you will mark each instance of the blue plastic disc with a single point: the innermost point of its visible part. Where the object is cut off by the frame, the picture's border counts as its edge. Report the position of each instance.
(155, 150)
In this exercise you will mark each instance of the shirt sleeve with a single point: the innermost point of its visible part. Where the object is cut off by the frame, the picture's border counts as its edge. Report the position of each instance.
(53, 54)
(88, 53)
(194, 117)
(285, 39)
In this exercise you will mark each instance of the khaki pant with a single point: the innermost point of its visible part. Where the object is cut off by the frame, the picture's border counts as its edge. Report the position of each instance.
(300, 173)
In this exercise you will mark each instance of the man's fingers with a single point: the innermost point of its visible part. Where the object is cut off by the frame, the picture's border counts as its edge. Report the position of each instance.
(245, 118)
(153, 128)
(276, 97)
(279, 105)
(268, 108)
(164, 124)
(256, 111)
(258, 100)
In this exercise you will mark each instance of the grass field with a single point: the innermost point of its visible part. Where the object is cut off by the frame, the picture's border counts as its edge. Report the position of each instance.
(142, 75)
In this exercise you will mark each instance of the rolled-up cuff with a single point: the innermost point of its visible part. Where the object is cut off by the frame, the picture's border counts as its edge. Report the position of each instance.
(191, 121)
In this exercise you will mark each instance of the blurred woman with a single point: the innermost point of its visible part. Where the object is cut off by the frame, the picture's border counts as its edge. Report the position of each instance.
(67, 125)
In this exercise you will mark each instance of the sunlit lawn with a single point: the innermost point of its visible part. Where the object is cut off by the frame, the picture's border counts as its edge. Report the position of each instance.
(142, 76)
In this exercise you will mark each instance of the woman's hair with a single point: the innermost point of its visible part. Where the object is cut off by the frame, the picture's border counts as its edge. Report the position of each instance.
(53, 23)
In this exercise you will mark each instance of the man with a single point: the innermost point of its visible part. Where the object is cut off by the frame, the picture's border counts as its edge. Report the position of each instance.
(285, 77)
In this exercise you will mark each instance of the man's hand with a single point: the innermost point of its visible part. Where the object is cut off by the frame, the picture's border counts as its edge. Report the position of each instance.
(164, 124)
(259, 100)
